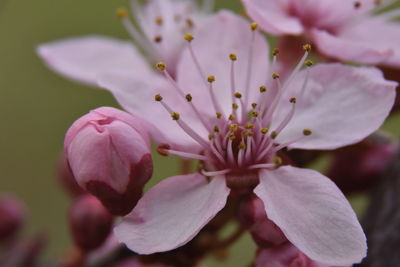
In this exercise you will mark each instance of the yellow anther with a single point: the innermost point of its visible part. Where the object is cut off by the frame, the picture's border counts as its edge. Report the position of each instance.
(357, 4)
(122, 13)
(175, 116)
(232, 117)
(254, 114)
(263, 89)
(233, 127)
(264, 130)
(253, 105)
(189, 23)
(158, 39)
(254, 26)
(275, 76)
(189, 97)
(248, 133)
(293, 100)
(161, 66)
(211, 78)
(308, 63)
(307, 132)
(307, 47)
(249, 126)
(159, 20)
(238, 95)
(233, 57)
(232, 137)
(242, 145)
(277, 160)
(235, 106)
(188, 37)
(211, 136)
(274, 135)
(219, 115)
(158, 97)
(216, 129)
(275, 51)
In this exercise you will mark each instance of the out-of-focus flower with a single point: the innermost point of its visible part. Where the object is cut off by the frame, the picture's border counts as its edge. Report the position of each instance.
(341, 29)
(359, 167)
(285, 255)
(224, 115)
(12, 216)
(134, 262)
(90, 222)
(263, 230)
(108, 151)
(156, 31)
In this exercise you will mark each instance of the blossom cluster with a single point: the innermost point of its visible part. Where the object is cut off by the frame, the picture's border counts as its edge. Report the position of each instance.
(206, 87)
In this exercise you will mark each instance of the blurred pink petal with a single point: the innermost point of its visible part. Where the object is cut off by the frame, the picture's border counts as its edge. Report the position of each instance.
(313, 214)
(83, 58)
(172, 213)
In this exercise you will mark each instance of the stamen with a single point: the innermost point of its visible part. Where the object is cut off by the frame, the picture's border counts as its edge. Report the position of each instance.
(306, 132)
(188, 37)
(254, 27)
(187, 155)
(262, 166)
(158, 39)
(215, 150)
(264, 130)
(263, 89)
(249, 148)
(231, 158)
(288, 117)
(253, 105)
(217, 107)
(189, 23)
(215, 173)
(357, 4)
(159, 21)
(185, 127)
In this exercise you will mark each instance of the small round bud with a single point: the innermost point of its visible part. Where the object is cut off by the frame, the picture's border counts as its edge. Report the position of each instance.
(90, 223)
(109, 153)
(12, 217)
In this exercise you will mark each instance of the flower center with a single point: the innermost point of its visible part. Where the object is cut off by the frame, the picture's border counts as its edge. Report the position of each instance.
(241, 140)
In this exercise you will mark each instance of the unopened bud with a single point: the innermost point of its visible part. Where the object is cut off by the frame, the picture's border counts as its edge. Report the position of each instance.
(108, 151)
(264, 232)
(90, 223)
(66, 179)
(12, 216)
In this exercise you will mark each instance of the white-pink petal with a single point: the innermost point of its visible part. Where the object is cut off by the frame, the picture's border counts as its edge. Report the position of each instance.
(136, 92)
(83, 58)
(313, 214)
(172, 213)
(213, 44)
(273, 16)
(341, 105)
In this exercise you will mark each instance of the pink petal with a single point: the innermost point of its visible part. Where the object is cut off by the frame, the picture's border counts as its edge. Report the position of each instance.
(341, 105)
(313, 214)
(83, 58)
(172, 213)
(135, 93)
(273, 16)
(212, 45)
(367, 41)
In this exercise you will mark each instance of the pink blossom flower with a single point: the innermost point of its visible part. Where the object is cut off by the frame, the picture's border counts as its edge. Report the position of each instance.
(159, 24)
(341, 29)
(285, 255)
(108, 151)
(228, 114)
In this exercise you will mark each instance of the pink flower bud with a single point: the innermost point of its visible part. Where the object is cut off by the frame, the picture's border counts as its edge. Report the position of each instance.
(108, 151)
(358, 167)
(285, 255)
(12, 216)
(264, 232)
(67, 179)
(90, 223)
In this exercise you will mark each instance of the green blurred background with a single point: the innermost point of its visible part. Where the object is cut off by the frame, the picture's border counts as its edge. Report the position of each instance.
(37, 107)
